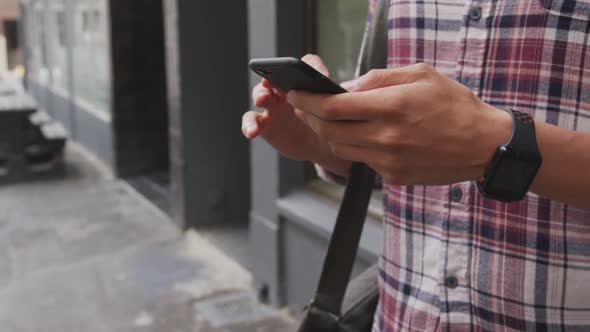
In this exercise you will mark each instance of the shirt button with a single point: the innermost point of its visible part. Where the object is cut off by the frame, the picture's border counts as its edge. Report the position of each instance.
(456, 194)
(475, 13)
(451, 282)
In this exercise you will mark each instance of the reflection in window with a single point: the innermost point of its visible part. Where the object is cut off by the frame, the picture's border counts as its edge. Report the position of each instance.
(70, 50)
(340, 28)
(60, 19)
(91, 55)
(38, 70)
(57, 48)
(90, 22)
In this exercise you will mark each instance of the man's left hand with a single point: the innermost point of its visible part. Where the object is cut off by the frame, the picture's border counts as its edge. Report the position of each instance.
(412, 125)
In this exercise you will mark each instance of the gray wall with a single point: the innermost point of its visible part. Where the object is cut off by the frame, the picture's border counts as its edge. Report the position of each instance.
(207, 85)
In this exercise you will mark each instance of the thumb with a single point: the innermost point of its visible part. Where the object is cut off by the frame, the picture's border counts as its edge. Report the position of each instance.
(317, 63)
(381, 78)
(374, 79)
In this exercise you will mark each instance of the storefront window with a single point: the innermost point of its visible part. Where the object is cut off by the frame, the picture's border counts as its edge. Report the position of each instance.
(39, 63)
(91, 55)
(340, 26)
(57, 46)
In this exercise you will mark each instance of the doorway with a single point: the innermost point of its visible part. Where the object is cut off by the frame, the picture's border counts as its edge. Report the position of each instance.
(140, 113)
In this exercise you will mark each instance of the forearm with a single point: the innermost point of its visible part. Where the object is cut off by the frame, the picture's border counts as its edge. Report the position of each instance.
(565, 173)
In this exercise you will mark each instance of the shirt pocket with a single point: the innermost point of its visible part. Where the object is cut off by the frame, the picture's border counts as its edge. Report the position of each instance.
(577, 9)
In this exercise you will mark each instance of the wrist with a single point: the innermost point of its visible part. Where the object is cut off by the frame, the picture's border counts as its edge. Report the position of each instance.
(496, 130)
(326, 159)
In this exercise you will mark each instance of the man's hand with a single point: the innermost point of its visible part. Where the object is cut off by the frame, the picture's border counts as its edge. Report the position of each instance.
(281, 126)
(412, 125)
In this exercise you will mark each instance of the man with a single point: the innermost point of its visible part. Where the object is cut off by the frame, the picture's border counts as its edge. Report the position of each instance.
(432, 126)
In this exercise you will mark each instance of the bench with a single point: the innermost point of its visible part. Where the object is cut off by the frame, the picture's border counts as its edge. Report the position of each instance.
(30, 141)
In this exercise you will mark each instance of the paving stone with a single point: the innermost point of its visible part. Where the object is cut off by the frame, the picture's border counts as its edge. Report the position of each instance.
(86, 253)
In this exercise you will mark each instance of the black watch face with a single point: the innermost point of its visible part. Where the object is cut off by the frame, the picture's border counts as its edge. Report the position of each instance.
(511, 176)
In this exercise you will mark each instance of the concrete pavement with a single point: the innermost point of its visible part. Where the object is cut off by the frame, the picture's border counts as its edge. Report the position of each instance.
(86, 253)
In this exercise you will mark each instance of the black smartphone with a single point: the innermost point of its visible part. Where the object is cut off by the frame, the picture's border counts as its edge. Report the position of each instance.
(294, 74)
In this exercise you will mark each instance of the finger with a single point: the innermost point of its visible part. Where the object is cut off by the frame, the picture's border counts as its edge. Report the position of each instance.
(260, 95)
(380, 78)
(279, 93)
(356, 153)
(317, 63)
(350, 86)
(300, 115)
(267, 84)
(361, 133)
(325, 107)
(264, 98)
(252, 123)
(391, 171)
(270, 87)
(366, 105)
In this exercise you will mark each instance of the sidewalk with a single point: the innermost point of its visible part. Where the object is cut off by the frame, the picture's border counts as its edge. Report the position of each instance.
(87, 254)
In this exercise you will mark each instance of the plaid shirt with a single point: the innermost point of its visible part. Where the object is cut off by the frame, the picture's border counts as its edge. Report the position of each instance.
(453, 260)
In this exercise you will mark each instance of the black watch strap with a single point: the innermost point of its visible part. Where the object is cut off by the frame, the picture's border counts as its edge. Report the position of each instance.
(515, 164)
(524, 136)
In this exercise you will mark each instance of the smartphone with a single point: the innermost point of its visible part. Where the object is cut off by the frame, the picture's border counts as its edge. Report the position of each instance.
(294, 74)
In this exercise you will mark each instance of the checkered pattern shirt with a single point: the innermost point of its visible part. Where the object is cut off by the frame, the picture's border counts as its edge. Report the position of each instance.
(453, 260)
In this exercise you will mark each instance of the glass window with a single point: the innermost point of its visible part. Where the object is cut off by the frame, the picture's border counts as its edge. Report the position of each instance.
(91, 55)
(58, 47)
(340, 26)
(39, 63)
(60, 21)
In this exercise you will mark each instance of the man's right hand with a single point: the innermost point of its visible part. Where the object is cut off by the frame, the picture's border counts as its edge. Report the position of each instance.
(282, 126)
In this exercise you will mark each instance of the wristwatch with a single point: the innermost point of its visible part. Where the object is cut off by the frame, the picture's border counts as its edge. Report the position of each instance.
(515, 164)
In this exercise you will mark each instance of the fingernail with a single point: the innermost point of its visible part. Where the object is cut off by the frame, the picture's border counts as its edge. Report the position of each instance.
(250, 129)
(349, 85)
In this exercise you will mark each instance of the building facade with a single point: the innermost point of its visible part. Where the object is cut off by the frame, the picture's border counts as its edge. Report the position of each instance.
(9, 38)
(159, 87)
(74, 69)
